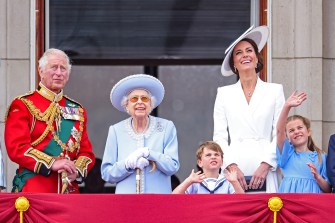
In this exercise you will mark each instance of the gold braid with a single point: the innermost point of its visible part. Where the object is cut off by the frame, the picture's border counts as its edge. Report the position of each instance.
(52, 113)
(70, 148)
(48, 116)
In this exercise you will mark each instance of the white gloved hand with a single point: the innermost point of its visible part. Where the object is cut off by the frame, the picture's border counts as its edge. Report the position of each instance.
(145, 151)
(134, 156)
(142, 163)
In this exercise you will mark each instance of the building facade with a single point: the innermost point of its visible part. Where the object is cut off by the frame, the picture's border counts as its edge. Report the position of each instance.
(301, 55)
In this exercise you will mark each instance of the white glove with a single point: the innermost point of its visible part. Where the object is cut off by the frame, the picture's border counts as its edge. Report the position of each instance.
(142, 163)
(145, 151)
(131, 160)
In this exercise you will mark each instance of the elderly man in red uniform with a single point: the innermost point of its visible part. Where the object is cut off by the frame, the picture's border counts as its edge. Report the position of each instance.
(45, 133)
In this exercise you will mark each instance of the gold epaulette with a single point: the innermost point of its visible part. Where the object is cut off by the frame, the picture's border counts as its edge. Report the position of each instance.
(24, 95)
(67, 97)
(48, 116)
(18, 97)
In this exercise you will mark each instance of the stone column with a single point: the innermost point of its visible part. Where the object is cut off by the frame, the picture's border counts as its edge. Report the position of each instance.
(14, 62)
(297, 55)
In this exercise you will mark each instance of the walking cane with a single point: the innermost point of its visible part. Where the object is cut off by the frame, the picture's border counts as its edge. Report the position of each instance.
(138, 176)
(138, 180)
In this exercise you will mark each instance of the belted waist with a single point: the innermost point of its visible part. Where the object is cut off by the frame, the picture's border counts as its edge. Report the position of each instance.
(241, 139)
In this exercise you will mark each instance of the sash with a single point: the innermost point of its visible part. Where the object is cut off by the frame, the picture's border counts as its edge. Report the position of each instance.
(52, 149)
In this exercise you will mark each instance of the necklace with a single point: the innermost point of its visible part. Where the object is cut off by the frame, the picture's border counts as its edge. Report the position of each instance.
(249, 94)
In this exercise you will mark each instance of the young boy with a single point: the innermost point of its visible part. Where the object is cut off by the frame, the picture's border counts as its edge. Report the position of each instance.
(210, 159)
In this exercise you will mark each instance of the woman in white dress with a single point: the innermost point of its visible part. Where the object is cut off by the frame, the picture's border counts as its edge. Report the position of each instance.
(246, 113)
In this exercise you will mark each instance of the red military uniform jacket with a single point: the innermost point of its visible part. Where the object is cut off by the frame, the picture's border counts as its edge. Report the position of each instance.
(41, 127)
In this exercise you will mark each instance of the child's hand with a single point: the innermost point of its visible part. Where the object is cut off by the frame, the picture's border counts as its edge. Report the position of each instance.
(296, 99)
(324, 185)
(231, 175)
(313, 170)
(197, 177)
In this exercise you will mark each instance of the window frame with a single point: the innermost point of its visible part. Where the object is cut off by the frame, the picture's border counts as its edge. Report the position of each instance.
(42, 33)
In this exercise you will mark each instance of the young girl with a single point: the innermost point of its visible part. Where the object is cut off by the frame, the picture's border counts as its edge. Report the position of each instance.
(303, 164)
(209, 181)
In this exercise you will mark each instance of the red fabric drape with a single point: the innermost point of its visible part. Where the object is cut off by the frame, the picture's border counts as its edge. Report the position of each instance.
(148, 208)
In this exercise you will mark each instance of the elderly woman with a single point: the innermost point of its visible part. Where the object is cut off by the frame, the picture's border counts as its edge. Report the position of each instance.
(142, 143)
(246, 114)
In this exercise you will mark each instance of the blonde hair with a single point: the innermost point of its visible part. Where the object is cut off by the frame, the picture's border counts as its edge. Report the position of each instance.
(310, 143)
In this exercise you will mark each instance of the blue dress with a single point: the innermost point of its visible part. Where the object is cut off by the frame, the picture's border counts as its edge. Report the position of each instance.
(297, 175)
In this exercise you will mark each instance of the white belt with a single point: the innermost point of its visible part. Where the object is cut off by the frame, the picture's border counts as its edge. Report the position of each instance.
(240, 139)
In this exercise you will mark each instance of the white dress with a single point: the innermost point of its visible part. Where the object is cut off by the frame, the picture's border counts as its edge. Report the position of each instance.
(252, 127)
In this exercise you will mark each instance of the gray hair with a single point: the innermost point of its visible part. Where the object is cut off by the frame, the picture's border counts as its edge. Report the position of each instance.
(43, 61)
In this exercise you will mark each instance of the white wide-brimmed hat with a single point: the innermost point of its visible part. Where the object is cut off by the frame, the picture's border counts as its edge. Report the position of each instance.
(259, 35)
(133, 82)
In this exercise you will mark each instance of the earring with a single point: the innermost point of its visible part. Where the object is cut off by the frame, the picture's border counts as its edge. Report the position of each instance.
(235, 69)
(256, 65)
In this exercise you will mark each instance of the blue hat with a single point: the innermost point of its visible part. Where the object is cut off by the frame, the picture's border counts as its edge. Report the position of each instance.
(133, 82)
(259, 35)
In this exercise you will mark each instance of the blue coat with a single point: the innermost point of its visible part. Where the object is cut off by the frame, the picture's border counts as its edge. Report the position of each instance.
(160, 138)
